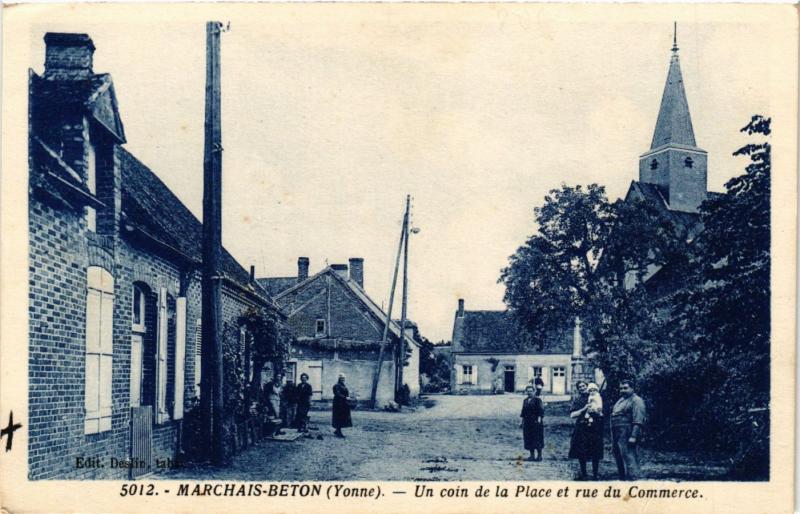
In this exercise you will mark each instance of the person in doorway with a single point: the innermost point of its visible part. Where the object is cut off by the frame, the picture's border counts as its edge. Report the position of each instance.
(587, 436)
(272, 392)
(533, 422)
(341, 408)
(288, 403)
(627, 419)
(303, 394)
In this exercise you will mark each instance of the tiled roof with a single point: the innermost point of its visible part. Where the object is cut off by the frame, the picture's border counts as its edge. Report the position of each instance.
(276, 285)
(674, 125)
(497, 331)
(357, 291)
(658, 196)
(152, 207)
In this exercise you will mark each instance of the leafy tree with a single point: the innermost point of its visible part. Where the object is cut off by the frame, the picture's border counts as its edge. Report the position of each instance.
(727, 314)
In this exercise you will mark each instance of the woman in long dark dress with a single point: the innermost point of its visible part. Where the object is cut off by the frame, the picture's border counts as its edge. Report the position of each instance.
(533, 422)
(303, 393)
(587, 436)
(341, 409)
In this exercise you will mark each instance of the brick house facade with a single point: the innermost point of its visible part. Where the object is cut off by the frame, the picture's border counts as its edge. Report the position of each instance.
(114, 282)
(338, 329)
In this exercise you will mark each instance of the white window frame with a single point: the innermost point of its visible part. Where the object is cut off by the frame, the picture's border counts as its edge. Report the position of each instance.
(466, 374)
(317, 331)
(141, 326)
(99, 335)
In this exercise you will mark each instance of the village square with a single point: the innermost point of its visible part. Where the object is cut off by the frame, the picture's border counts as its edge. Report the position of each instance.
(156, 353)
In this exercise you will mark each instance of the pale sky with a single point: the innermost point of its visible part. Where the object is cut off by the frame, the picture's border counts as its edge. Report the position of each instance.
(477, 111)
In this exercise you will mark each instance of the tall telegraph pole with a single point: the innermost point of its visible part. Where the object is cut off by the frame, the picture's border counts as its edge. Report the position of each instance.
(211, 394)
(401, 347)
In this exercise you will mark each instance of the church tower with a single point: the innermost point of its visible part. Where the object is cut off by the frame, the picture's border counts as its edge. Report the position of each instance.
(674, 162)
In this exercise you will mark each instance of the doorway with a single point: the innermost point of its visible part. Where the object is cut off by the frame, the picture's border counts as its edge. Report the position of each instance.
(510, 379)
(559, 380)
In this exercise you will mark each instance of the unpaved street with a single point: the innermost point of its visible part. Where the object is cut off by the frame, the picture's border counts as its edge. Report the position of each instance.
(460, 438)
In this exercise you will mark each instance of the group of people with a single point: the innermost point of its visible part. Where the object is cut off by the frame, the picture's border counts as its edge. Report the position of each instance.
(627, 418)
(290, 403)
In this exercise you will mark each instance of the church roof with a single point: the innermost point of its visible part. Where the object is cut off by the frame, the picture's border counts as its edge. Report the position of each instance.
(674, 125)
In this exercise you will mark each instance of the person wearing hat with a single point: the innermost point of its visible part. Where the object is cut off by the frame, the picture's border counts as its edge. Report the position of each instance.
(341, 408)
(587, 436)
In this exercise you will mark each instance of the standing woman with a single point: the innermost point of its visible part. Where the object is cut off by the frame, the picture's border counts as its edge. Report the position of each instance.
(341, 409)
(533, 422)
(587, 436)
(303, 393)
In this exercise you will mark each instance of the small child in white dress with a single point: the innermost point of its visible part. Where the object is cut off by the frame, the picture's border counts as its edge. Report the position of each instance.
(595, 402)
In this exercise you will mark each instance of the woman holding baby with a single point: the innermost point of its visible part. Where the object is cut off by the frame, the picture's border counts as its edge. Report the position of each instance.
(587, 437)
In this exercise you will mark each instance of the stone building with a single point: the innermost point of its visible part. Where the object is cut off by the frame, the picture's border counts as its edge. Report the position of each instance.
(673, 173)
(114, 285)
(338, 329)
(491, 353)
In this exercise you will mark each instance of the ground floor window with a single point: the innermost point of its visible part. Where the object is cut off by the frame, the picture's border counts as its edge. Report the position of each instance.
(466, 374)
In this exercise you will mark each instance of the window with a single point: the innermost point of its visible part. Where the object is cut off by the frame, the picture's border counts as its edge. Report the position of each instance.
(466, 374)
(653, 164)
(91, 185)
(559, 372)
(688, 162)
(99, 349)
(320, 327)
(198, 355)
(138, 309)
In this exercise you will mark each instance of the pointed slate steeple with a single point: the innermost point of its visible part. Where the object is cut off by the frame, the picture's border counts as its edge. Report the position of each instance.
(674, 163)
(674, 125)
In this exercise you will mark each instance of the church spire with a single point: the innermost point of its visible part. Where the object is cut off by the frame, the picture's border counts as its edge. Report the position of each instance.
(674, 125)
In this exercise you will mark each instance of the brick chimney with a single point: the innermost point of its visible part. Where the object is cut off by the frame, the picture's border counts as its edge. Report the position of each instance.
(302, 268)
(357, 270)
(68, 56)
(460, 307)
(340, 269)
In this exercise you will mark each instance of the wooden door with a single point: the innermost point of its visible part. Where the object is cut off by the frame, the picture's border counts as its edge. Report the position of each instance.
(510, 379)
(141, 443)
(559, 380)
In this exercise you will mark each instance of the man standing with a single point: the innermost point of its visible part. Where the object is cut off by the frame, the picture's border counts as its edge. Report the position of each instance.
(627, 418)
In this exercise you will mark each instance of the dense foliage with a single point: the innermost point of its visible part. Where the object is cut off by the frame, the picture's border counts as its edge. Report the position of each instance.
(700, 348)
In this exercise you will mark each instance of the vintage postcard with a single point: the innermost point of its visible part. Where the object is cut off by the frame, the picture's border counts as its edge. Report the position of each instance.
(304, 257)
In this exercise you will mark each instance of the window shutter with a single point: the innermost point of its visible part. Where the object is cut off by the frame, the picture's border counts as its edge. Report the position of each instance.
(99, 350)
(475, 374)
(531, 375)
(180, 355)
(161, 358)
(459, 374)
(198, 354)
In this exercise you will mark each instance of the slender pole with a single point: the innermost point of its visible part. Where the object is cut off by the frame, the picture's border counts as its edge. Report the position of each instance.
(377, 373)
(211, 397)
(401, 346)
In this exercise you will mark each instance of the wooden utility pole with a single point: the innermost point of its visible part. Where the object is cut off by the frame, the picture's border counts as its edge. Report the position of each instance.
(376, 376)
(211, 387)
(401, 345)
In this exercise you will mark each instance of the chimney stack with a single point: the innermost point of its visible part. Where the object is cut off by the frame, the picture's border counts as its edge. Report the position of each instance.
(302, 268)
(340, 269)
(68, 56)
(252, 273)
(460, 307)
(357, 270)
